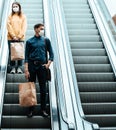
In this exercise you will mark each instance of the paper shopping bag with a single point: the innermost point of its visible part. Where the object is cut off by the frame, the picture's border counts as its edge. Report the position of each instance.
(17, 51)
(27, 94)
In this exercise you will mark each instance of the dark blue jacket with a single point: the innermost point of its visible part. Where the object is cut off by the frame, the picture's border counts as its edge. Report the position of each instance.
(35, 49)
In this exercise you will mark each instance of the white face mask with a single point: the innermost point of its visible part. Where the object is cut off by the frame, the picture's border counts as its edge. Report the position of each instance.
(41, 33)
(16, 9)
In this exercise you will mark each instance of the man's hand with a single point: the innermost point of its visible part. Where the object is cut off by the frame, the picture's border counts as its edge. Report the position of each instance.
(27, 74)
(48, 64)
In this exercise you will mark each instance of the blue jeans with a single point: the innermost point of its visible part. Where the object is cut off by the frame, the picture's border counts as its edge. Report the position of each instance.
(13, 63)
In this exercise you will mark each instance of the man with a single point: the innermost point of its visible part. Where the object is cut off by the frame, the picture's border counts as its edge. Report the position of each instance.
(35, 63)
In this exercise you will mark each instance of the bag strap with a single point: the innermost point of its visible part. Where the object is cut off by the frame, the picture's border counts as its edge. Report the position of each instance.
(46, 50)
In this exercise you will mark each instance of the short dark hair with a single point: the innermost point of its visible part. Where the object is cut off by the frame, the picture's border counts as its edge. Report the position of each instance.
(38, 25)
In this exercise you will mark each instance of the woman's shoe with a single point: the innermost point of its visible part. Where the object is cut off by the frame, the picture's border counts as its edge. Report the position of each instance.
(19, 71)
(13, 71)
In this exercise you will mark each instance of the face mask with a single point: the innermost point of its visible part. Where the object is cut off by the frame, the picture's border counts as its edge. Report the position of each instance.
(41, 33)
(16, 9)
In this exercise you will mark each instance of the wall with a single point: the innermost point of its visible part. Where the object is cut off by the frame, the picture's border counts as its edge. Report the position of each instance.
(111, 4)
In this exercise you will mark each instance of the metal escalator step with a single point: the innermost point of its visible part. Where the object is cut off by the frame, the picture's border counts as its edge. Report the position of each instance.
(24, 122)
(97, 97)
(73, 10)
(13, 88)
(34, 16)
(88, 52)
(16, 78)
(39, 2)
(78, 32)
(32, 22)
(93, 68)
(97, 86)
(24, 129)
(32, 11)
(75, 2)
(90, 59)
(81, 26)
(32, 6)
(95, 77)
(99, 108)
(103, 120)
(79, 6)
(13, 98)
(12, 78)
(80, 20)
(17, 110)
(86, 45)
(85, 38)
(75, 15)
(107, 128)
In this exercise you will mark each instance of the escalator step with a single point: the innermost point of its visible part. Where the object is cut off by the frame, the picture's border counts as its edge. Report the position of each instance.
(88, 52)
(104, 120)
(83, 15)
(81, 26)
(107, 128)
(13, 88)
(24, 122)
(13, 98)
(81, 20)
(24, 129)
(90, 59)
(93, 68)
(16, 109)
(97, 97)
(95, 77)
(89, 38)
(97, 86)
(72, 11)
(99, 108)
(78, 32)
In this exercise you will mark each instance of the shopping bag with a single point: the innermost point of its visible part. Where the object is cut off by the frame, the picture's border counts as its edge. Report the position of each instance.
(27, 94)
(17, 51)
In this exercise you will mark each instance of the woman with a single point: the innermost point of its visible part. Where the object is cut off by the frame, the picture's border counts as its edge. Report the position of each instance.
(16, 26)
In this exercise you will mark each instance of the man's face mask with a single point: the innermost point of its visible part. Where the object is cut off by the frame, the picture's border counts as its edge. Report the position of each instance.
(41, 33)
(16, 9)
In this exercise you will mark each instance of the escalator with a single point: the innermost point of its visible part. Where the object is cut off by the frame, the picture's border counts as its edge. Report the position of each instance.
(95, 77)
(14, 116)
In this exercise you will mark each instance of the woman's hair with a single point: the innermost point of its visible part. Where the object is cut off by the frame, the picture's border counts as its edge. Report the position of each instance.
(20, 12)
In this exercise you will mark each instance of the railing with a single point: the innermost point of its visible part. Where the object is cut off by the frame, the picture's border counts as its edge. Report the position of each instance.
(52, 89)
(64, 97)
(3, 53)
(1, 10)
(105, 32)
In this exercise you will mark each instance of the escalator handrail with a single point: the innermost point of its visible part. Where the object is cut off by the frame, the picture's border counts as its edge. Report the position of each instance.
(52, 90)
(1, 11)
(3, 53)
(105, 32)
(79, 115)
(63, 89)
